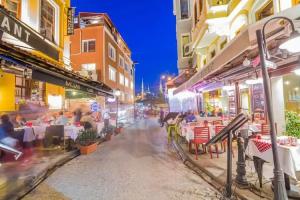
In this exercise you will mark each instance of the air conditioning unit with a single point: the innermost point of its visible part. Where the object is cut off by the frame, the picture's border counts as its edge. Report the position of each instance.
(187, 49)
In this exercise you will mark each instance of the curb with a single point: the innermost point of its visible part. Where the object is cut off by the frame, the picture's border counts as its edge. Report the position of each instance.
(32, 182)
(209, 177)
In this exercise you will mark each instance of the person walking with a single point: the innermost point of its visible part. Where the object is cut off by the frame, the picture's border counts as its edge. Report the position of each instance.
(161, 117)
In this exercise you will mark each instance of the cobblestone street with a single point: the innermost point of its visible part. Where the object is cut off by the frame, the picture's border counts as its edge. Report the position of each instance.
(138, 164)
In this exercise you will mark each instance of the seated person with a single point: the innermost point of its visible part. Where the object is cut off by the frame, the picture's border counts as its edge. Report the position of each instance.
(88, 121)
(20, 121)
(190, 117)
(61, 119)
(6, 130)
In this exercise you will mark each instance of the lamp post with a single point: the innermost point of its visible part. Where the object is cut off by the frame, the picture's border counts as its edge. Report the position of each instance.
(117, 93)
(279, 184)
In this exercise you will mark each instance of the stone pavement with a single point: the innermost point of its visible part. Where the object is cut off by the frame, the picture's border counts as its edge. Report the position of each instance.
(137, 164)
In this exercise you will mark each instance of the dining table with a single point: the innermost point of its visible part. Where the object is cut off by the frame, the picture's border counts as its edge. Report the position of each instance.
(260, 150)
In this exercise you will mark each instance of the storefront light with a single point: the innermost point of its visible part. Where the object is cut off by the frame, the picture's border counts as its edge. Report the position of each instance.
(286, 82)
(55, 102)
(297, 72)
(292, 45)
(228, 87)
(254, 81)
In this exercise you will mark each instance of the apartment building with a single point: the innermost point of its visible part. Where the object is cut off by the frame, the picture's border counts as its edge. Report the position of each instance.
(98, 51)
(224, 53)
(183, 10)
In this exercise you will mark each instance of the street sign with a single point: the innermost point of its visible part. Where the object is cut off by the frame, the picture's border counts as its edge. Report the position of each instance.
(70, 21)
(22, 32)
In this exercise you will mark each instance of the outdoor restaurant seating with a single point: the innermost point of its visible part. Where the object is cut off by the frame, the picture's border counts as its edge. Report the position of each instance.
(265, 129)
(54, 132)
(217, 122)
(201, 137)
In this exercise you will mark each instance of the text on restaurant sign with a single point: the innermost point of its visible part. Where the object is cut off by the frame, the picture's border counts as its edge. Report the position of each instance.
(20, 31)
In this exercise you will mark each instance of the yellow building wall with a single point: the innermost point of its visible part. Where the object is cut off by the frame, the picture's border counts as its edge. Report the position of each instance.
(7, 92)
(54, 90)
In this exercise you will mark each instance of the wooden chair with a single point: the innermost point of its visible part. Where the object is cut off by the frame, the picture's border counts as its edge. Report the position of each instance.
(54, 132)
(201, 137)
(218, 129)
(217, 122)
(265, 129)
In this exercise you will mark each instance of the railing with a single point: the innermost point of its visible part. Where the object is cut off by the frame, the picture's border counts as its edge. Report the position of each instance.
(227, 133)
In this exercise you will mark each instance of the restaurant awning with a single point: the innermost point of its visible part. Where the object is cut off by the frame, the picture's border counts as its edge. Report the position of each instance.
(40, 69)
(244, 44)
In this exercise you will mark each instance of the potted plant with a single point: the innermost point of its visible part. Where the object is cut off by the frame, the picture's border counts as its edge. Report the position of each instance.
(87, 141)
(292, 124)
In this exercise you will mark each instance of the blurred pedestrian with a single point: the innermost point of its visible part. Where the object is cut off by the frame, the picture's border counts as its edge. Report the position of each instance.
(6, 130)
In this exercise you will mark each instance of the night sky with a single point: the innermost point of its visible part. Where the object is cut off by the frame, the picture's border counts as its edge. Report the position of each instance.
(149, 29)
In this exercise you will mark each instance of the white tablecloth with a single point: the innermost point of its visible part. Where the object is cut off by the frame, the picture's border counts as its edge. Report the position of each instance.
(100, 126)
(38, 132)
(72, 131)
(289, 156)
(28, 134)
(187, 131)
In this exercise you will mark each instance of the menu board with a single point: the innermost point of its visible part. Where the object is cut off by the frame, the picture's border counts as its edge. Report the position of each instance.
(258, 99)
(232, 109)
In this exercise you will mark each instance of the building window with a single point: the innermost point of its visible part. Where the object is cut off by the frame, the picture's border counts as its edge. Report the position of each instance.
(126, 82)
(121, 61)
(131, 85)
(223, 44)
(13, 6)
(88, 45)
(126, 66)
(111, 52)
(185, 39)
(184, 9)
(266, 11)
(121, 79)
(112, 73)
(47, 20)
(89, 67)
(212, 54)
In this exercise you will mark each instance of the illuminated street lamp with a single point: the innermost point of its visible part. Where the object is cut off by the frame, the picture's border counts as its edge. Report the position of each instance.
(169, 78)
(117, 93)
(293, 46)
(163, 77)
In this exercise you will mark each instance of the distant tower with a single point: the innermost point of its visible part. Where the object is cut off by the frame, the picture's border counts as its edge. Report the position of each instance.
(142, 92)
(149, 90)
(161, 88)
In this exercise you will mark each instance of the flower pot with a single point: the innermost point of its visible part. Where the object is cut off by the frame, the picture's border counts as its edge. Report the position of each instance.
(84, 150)
(108, 137)
(118, 130)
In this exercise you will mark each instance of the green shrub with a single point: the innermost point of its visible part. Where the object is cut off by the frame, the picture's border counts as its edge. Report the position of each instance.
(87, 137)
(292, 124)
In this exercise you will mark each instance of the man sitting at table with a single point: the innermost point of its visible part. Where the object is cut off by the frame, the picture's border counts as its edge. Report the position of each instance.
(61, 119)
(190, 117)
(88, 121)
